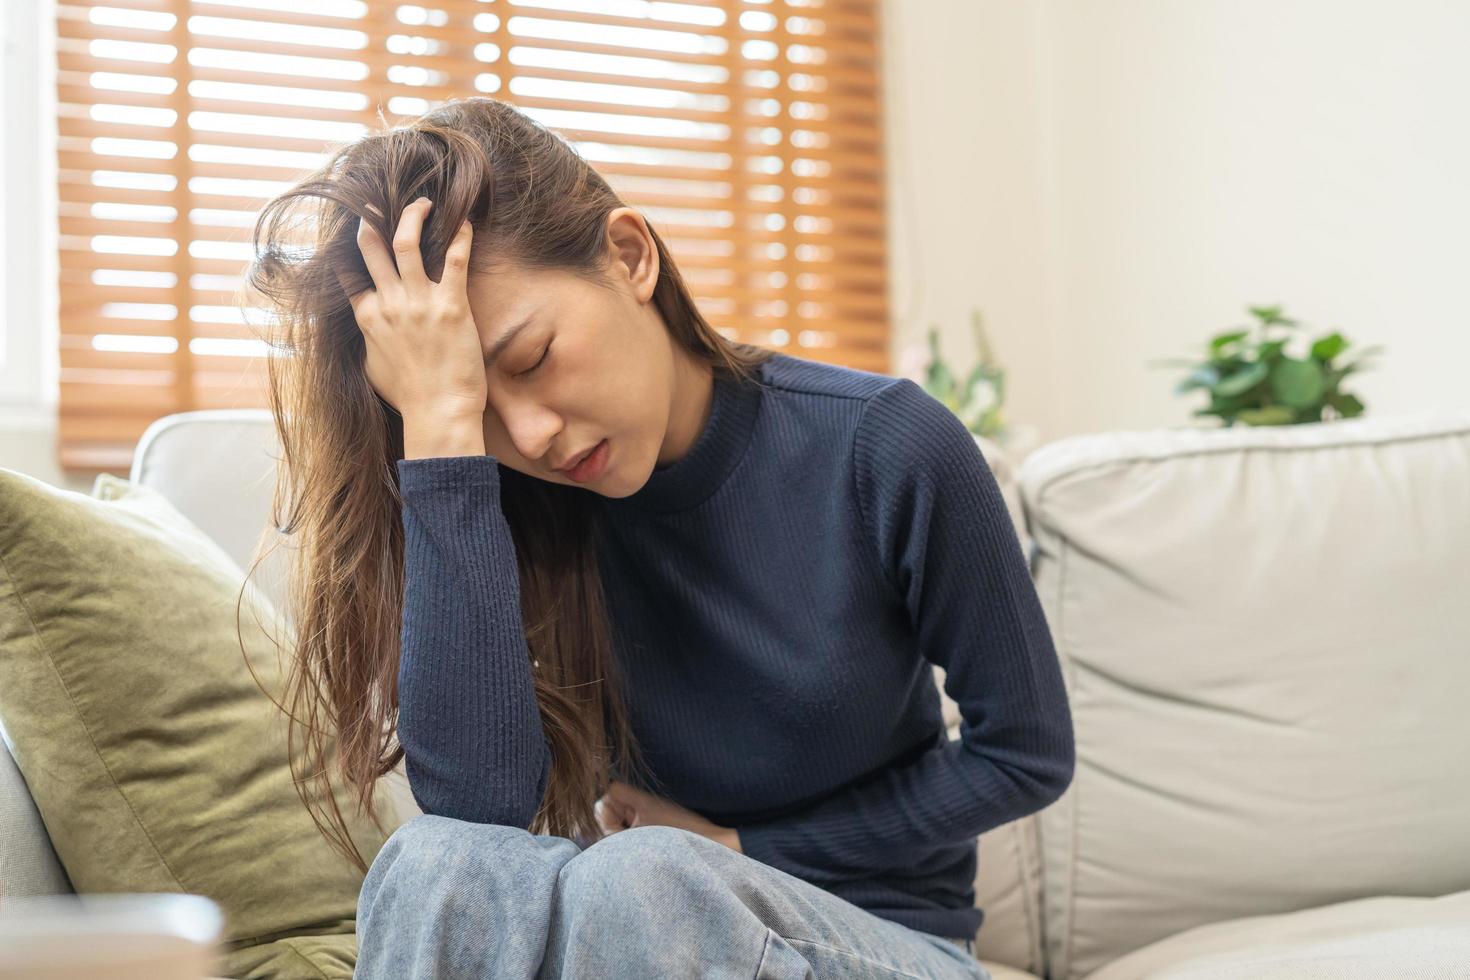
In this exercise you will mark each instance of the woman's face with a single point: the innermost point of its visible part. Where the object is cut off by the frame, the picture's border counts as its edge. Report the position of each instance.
(591, 363)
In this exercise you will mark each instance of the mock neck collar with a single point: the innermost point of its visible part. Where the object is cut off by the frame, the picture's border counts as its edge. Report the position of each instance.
(689, 480)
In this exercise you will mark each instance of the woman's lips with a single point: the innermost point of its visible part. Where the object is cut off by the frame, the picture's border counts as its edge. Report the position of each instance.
(591, 465)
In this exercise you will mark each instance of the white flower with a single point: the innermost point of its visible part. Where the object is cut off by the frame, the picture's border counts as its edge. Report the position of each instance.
(982, 397)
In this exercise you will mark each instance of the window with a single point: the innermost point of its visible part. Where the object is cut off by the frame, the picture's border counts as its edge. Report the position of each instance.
(748, 133)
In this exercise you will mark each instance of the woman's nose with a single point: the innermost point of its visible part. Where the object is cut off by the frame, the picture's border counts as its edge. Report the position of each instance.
(530, 430)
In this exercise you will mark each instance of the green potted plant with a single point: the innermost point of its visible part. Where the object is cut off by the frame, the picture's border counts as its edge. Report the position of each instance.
(1252, 378)
(978, 400)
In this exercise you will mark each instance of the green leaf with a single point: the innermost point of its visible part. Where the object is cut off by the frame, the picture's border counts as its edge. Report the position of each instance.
(1347, 405)
(1270, 350)
(1227, 338)
(1297, 383)
(939, 382)
(1243, 381)
(1328, 347)
(1351, 366)
(1271, 315)
(1269, 415)
(1203, 376)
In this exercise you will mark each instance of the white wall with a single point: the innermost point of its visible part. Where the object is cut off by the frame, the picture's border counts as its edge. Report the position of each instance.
(965, 126)
(1115, 181)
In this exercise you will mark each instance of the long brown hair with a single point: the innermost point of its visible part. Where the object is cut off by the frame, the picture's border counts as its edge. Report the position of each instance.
(534, 200)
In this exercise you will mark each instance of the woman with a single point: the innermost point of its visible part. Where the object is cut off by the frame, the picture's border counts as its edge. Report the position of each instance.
(652, 614)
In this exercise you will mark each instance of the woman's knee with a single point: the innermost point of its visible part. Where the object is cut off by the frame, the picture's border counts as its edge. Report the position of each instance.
(636, 845)
(654, 860)
(430, 853)
(446, 896)
(428, 840)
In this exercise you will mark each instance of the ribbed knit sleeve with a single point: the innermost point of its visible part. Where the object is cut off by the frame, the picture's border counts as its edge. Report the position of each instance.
(939, 526)
(468, 721)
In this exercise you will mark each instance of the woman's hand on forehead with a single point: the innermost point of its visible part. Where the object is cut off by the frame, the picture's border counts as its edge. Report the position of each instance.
(423, 349)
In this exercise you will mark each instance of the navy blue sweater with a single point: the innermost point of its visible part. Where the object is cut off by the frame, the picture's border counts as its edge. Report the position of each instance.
(778, 597)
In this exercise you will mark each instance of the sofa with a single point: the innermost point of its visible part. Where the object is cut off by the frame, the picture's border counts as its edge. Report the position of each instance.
(1265, 637)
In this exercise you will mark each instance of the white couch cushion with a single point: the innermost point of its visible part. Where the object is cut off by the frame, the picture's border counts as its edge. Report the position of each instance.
(218, 466)
(1364, 939)
(1267, 647)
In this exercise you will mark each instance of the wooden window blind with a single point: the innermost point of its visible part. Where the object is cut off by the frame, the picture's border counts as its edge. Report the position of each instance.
(748, 133)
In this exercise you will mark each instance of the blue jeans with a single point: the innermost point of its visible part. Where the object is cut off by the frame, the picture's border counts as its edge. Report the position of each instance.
(448, 898)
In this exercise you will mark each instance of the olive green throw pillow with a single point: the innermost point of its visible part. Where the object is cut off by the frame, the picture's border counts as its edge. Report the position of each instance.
(155, 761)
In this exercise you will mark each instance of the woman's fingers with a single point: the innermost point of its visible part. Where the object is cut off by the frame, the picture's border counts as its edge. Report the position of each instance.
(625, 803)
(406, 243)
(457, 259)
(356, 299)
(605, 818)
(612, 815)
(375, 254)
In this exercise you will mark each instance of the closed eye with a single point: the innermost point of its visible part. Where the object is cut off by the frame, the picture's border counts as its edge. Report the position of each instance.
(544, 353)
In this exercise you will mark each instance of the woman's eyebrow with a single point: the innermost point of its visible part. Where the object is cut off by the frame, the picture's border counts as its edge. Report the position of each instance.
(505, 340)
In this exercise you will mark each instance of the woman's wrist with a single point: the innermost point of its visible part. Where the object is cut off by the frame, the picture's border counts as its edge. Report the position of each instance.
(439, 435)
(730, 837)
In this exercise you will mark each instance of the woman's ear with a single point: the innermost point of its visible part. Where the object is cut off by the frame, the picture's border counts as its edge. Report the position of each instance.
(631, 251)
